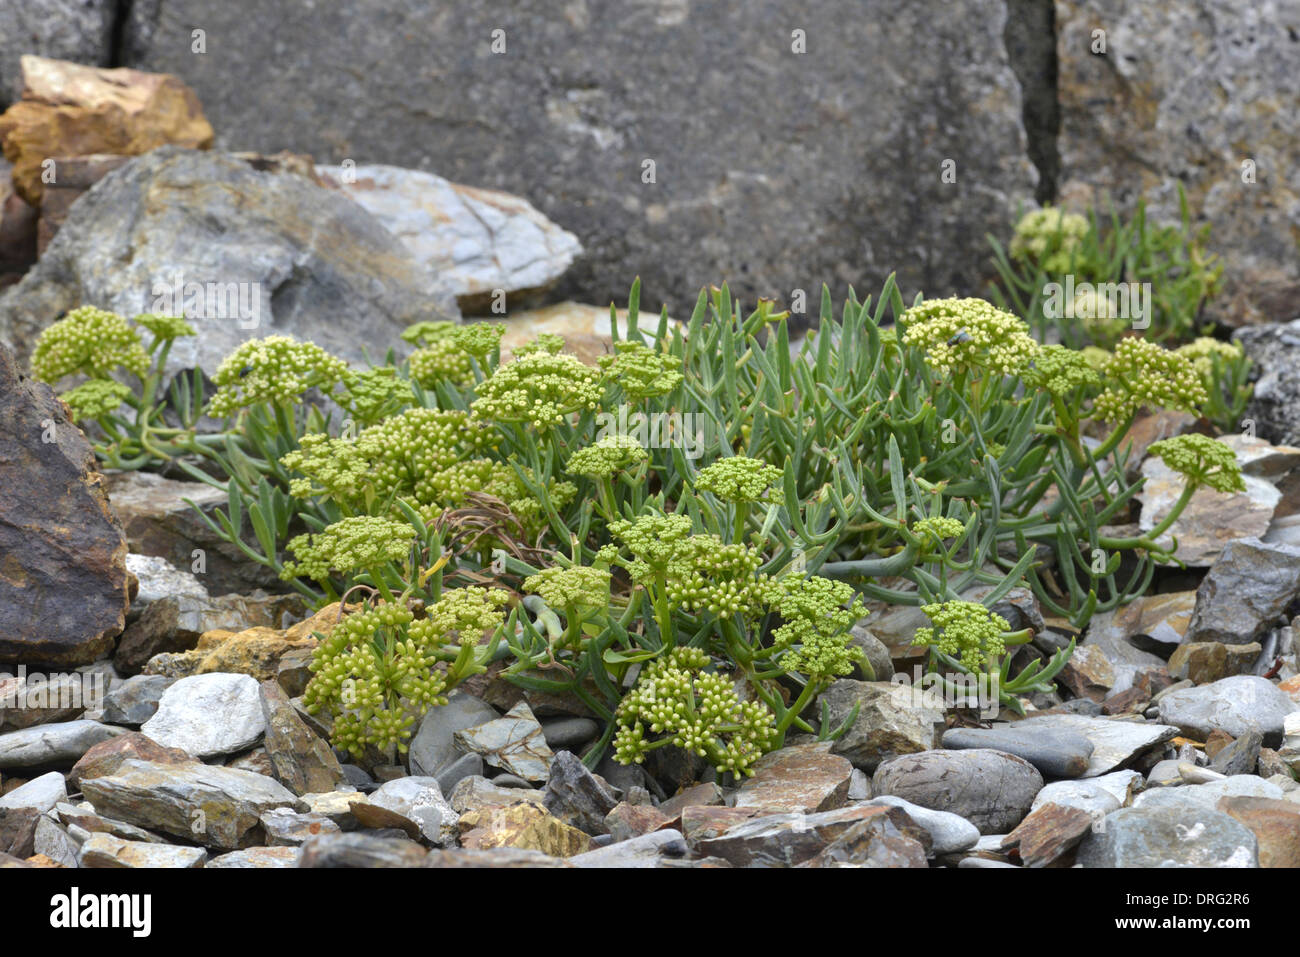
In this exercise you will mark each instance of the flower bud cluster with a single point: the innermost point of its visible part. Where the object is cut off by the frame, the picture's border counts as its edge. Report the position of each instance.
(165, 328)
(375, 394)
(1203, 460)
(375, 675)
(642, 372)
(539, 389)
(94, 398)
(613, 453)
(969, 334)
(1060, 371)
(1141, 373)
(1048, 237)
(276, 369)
(88, 340)
(676, 701)
(352, 544)
(576, 586)
(738, 479)
(965, 630)
(818, 615)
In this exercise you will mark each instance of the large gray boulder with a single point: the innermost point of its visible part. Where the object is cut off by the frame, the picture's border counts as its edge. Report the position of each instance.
(1189, 91)
(482, 242)
(773, 169)
(244, 253)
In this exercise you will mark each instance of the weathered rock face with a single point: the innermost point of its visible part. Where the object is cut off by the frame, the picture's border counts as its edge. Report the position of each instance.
(63, 581)
(479, 240)
(70, 110)
(1246, 592)
(81, 31)
(1192, 91)
(17, 228)
(1275, 350)
(218, 807)
(244, 253)
(159, 522)
(748, 155)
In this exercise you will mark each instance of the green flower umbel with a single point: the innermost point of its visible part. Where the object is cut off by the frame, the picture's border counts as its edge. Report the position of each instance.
(1141, 373)
(276, 369)
(738, 479)
(676, 702)
(94, 398)
(1203, 460)
(91, 341)
(1060, 371)
(965, 630)
(1048, 237)
(352, 544)
(613, 453)
(641, 371)
(819, 615)
(969, 334)
(539, 389)
(576, 587)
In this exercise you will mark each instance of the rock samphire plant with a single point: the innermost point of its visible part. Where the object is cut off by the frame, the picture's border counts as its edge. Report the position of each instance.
(683, 535)
(1091, 282)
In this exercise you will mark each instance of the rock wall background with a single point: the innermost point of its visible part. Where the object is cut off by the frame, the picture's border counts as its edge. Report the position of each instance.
(774, 170)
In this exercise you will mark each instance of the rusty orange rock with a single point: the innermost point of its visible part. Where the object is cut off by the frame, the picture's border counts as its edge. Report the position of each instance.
(72, 110)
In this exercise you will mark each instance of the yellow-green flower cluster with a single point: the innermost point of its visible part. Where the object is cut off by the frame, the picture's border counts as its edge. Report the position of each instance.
(738, 479)
(1203, 460)
(655, 540)
(351, 544)
(89, 340)
(939, 527)
(1060, 371)
(479, 338)
(333, 467)
(447, 351)
(613, 453)
(467, 616)
(539, 389)
(642, 372)
(375, 674)
(94, 398)
(276, 369)
(429, 331)
(574, 587)
(1048, 237)
(547, 342)
(969, 334)
(818, 616)
(677, 702)
(1202, 351)
(165, 328)
(965, 630)
(1142, 373)
(712, 576)
(442, 361)
(375, 394)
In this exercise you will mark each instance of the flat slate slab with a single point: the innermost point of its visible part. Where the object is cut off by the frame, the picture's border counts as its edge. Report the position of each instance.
(1113, 741)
